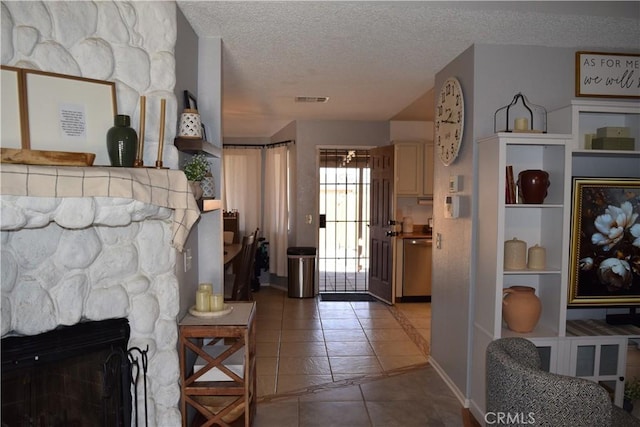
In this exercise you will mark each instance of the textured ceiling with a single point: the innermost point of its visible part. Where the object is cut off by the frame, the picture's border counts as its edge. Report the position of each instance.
(376, 60)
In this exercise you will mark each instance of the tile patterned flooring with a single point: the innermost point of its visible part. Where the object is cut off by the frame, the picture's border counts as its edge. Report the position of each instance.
(351, 364)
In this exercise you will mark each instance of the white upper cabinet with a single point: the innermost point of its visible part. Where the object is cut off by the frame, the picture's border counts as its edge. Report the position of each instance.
(414, 168)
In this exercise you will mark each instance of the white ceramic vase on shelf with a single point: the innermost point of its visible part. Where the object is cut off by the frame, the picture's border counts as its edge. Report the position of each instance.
(208, 187)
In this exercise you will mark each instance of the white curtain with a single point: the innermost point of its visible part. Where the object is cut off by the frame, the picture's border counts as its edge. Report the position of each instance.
(242, 186)
(276, 208)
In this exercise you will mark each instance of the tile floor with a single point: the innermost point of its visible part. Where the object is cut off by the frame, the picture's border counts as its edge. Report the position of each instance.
(346, 363)
(339, 281)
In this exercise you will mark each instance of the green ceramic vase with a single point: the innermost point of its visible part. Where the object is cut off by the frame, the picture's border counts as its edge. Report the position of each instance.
(122, 142)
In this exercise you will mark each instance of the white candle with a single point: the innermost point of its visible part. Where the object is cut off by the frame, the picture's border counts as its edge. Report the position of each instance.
(521, 123)
(208, 287)
(216, 302)
(202, 300)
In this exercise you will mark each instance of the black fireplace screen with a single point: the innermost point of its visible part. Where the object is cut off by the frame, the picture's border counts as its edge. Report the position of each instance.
(72, 376)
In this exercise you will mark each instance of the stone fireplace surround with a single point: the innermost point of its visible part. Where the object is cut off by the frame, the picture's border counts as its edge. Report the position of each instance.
(70, 259)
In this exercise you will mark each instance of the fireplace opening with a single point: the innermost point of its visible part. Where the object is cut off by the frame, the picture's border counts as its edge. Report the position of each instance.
(72, 376)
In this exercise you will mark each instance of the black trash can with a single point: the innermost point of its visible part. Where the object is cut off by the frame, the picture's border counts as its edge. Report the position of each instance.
(301, 270)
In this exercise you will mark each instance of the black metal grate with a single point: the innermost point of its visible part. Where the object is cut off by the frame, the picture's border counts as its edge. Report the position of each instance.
(76, 375)
(343, 253)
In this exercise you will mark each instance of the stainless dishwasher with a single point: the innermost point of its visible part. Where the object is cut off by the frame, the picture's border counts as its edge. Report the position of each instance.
(416, 268)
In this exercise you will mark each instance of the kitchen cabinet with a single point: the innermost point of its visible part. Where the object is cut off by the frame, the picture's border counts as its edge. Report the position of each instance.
(408, 168)
(414, 168)
(427, 169)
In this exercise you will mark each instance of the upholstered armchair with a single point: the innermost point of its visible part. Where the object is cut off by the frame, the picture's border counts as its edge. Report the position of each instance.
(519, 393)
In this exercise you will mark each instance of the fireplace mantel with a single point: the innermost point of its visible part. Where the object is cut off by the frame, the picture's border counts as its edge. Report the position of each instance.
(93, 243)
(161, 187)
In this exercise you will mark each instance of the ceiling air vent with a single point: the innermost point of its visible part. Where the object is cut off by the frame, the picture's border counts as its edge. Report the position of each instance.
(312, 99)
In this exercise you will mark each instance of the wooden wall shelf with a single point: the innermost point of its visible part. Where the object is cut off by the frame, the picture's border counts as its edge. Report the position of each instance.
(208, 205)
(196, 146)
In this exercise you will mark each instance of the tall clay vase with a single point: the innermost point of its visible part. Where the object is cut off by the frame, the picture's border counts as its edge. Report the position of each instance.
(521, 308)
(122, 142)
(532, 186)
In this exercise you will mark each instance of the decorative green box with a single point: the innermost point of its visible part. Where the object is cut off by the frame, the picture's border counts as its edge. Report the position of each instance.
(613, 132)
(613, 143)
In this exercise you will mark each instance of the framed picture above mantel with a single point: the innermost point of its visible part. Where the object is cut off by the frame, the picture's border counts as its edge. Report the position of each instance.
(607, 75)
(45, 114)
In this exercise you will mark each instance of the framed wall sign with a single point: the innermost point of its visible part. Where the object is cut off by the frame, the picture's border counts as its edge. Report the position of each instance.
(605, 234)
(69, 113)
(607, 75)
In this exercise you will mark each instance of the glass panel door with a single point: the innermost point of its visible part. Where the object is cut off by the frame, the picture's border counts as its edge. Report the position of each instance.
(343, 250)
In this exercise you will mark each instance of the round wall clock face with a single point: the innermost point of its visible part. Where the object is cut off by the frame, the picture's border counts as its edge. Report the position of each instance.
(449, 123)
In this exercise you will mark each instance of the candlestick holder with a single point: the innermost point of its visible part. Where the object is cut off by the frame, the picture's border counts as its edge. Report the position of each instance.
(139, 162)
(520, 115)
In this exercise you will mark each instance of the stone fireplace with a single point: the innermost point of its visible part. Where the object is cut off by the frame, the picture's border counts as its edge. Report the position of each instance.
(67, 260)
(71, 255)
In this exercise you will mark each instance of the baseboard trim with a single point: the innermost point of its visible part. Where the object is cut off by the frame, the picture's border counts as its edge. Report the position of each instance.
(456, 391)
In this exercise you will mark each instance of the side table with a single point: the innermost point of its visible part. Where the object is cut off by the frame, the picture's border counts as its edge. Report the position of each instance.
(218, 366)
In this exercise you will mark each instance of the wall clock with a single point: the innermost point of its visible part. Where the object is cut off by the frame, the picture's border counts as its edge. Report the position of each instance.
(449, 120)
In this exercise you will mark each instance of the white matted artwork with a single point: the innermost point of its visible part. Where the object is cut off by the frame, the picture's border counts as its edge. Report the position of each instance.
(69, 113)
(10, 131)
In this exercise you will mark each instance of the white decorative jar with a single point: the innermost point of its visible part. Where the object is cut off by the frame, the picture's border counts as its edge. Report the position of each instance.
(190, 124)
(515, 254)
(208, 187)
(537, 258)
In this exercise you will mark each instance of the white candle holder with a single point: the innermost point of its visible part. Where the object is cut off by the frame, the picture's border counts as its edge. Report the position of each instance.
(190, 124)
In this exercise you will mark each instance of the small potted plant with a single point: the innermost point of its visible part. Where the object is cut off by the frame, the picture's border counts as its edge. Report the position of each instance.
(195, 169)
(631, 393)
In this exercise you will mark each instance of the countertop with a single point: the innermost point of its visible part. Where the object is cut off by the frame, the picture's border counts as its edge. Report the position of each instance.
(417, 234)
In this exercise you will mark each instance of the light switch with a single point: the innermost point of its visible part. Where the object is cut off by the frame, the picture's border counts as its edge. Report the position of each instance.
(309, 218)
(455, 183)
(438, 241)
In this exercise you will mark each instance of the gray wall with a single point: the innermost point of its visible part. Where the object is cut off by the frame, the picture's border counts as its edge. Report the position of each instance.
(490, 76)
(450, 308)
(186, 54)
(309, 136)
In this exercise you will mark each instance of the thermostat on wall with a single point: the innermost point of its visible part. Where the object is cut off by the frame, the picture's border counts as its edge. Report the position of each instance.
(451, 206)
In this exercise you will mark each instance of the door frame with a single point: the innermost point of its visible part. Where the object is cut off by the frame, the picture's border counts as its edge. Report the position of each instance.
(317, 189)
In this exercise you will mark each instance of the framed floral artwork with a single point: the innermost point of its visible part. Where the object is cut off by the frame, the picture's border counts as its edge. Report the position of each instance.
(605, 242)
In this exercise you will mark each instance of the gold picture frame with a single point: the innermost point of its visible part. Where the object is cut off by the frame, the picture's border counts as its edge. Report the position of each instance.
(603, 254)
